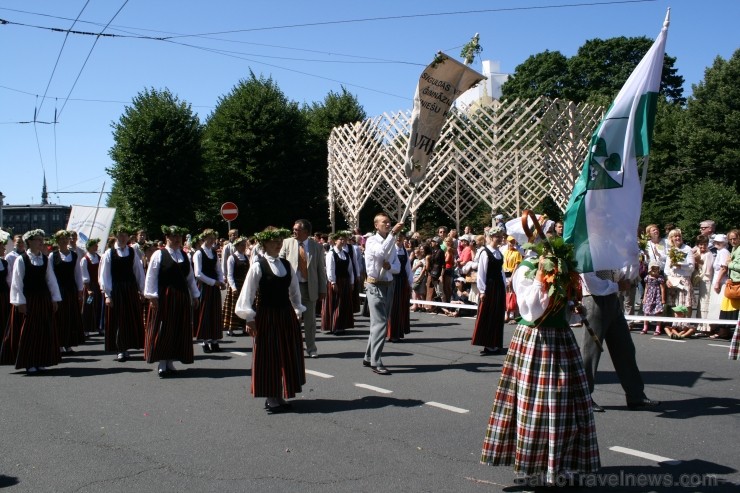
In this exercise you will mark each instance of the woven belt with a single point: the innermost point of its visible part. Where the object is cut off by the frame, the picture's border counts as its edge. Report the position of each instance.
(378, 282)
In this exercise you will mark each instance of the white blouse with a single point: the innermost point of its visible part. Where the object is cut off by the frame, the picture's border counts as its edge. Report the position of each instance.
(151, 283)
(530, 296)
(331, 275)
(198, 267)
(245, 304)
(105, 277)
(77, 271)
(19, 272)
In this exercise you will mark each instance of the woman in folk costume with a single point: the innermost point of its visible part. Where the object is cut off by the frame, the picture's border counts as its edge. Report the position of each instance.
(399, 318)
(207, 270)
(542, 421)
(12, 329)
(489, 325)
(337, 310)
(35, 294)
(5, 280)
(173, 294)
(92, 309)
(122, 281)
(68, 318)
(237, 266)
(270, 302)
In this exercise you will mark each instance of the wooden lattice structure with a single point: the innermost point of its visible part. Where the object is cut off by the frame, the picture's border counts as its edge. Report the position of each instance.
(509, 155)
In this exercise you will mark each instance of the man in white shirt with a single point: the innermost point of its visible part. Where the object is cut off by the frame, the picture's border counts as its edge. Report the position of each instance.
(381, 262)
(605, 316)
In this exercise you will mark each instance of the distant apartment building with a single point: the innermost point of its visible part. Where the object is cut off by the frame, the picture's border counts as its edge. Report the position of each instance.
(46, 216)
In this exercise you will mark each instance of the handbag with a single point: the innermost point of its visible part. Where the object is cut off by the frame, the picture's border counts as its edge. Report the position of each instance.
(511, 302)
(732, 290)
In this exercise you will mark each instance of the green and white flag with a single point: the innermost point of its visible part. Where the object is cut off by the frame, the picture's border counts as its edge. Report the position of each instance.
(603, 214)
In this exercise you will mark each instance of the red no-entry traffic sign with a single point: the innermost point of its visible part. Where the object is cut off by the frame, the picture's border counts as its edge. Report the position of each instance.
(229, 211)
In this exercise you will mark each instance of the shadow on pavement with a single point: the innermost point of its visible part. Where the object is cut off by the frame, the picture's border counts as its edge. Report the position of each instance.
(481, 367)
(675, 378)
(326, 406)
(6, 481)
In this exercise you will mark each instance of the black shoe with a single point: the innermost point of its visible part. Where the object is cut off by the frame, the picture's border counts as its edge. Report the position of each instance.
(380, 370)
(365, 363)
(206, 348)
(278, 408)
(645, 402)
(486, 351)
(121, 358)
(163, 373)
(596, 408)
(215, 347)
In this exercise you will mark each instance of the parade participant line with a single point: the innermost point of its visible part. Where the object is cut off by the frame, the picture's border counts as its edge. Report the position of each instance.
(646, 455)
(319, 374)
(373, 388)
(447, 407)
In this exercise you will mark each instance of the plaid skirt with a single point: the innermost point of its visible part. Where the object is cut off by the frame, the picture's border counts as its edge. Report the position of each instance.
(542, 421)
(735, 343)
(230, 319)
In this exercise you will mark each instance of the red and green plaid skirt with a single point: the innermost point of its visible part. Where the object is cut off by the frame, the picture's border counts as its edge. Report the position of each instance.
(542, 421)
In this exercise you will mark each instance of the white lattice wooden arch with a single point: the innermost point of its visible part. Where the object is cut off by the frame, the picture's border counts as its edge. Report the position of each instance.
(508, 155)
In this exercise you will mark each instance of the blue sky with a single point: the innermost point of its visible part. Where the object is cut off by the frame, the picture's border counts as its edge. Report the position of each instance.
(379, 59)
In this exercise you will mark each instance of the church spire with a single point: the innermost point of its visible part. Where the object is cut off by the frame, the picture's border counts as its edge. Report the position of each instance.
(44, 195)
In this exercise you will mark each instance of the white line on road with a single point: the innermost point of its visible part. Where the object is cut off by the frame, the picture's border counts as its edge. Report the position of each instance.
(645, 455)
(657, 338)
(719, 345)
(319, 374)
(238, 353)
(373, 388)
(447, 407)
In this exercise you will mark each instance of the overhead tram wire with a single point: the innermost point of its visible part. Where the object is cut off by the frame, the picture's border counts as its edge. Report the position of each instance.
(64, 105)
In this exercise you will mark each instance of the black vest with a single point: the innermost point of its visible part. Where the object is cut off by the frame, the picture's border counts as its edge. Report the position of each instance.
(274, 291)
(65, 271)
(122, 268)
(209, 264)
(5, 275)
(34, 280)
(495, 266)
(241, 267)
(403, 258)
(172, 274)
(341, 267)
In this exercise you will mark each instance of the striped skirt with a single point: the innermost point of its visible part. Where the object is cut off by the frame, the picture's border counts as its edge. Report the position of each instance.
(68, 319)
(92, 312)
(541, 421)
(336, 314)
(489, 324)
(230, 320)
(4, 308)
(124, 328)
(38, 344)
(207, 324)
(277, 354)
(399, 319)
(169, 334)
(11, 337)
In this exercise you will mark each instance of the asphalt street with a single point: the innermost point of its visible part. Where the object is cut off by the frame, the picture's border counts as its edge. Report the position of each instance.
(93, 424)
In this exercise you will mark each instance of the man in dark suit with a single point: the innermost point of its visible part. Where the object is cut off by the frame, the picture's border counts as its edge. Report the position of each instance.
(307, 258)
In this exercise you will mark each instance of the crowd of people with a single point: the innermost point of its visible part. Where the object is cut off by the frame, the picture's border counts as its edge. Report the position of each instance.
(160, 297)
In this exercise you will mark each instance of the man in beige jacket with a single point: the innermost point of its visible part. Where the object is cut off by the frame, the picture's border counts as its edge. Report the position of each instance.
(307, 259)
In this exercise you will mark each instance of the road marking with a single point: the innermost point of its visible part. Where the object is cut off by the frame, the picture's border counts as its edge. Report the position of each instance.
(319, 374)
(373, 388)
(447, 407)
(719, 345)
(238, 353)
(657, 338)
(645, 455)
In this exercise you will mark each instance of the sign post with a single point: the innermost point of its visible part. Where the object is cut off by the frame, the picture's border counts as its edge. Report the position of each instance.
(229, 211)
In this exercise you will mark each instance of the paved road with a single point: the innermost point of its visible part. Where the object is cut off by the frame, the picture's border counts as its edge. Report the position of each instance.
(92, 424)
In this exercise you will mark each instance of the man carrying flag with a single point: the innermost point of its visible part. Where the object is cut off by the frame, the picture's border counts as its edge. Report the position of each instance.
(602, 217)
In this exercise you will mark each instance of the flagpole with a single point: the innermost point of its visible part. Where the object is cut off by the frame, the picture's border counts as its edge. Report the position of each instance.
(408, 205)
(97, 207)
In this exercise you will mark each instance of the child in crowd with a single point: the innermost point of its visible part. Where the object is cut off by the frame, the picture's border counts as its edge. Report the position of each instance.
(680, 330)
(460, 297)
(653, 301)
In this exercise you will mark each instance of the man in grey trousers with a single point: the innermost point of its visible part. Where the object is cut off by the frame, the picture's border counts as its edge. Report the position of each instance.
(307, 258)
(605, 315)
(381, 263)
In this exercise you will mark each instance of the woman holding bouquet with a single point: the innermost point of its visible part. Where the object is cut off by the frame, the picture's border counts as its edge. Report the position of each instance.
(679, 267)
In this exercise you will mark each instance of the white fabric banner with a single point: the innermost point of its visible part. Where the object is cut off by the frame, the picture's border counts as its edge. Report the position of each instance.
(439, 85)
(603, 214)
(91, 224)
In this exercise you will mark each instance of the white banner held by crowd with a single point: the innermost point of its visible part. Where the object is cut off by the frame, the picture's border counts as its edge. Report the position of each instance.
(603, 214)
(88, 224)
(439, 85)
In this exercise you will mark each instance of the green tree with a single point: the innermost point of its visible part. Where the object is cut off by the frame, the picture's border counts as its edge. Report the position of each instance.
(335, 110)
(710, 135)
(543, 74)
(595, 74)
(707, 199)
(157, 161)
(255, 151)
